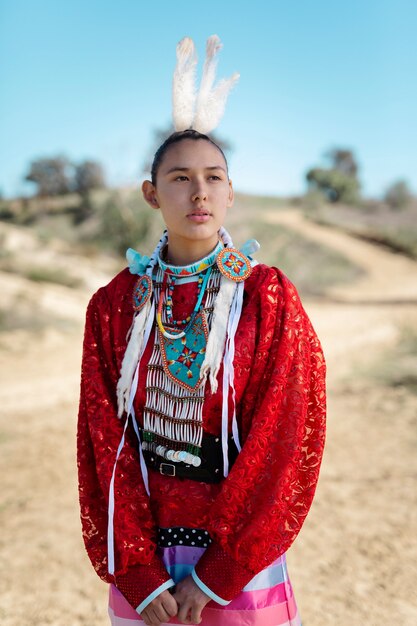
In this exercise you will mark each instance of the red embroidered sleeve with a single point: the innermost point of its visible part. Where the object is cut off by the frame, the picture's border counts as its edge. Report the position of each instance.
(266, 497)
(138, 570)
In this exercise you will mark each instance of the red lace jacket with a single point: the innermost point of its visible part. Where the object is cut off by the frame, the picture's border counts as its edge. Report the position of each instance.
(254, 515)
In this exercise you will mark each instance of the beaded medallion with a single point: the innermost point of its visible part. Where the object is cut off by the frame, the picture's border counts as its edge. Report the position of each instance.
(142, 292)
(234, 264)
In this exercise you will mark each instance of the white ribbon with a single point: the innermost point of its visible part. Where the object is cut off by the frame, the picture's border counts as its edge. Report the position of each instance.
(231, 354)
(228, 377)
(130, 412)
(110, 523)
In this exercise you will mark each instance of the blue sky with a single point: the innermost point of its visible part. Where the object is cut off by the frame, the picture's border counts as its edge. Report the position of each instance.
(92, 79)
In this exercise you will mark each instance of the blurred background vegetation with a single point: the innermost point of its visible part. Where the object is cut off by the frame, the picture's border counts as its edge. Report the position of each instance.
(73, 204)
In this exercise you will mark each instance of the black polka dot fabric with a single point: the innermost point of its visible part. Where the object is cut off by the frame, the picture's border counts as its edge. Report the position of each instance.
(181, 536)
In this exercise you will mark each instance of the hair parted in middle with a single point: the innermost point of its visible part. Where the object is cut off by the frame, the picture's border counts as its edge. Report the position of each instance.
(174, 138)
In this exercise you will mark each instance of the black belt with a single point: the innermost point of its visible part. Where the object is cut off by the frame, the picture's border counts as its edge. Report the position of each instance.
(211, 468)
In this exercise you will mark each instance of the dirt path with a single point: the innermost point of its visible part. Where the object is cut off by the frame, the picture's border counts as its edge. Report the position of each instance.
(367, 313)
(354, 561)
(389, 277)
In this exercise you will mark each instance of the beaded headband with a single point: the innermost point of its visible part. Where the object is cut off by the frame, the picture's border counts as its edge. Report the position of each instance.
(202, 110)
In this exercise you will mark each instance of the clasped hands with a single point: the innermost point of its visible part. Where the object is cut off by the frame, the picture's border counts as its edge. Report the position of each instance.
(185, 604)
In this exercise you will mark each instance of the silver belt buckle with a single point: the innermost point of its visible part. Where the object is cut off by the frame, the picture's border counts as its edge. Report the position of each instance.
(167, 469)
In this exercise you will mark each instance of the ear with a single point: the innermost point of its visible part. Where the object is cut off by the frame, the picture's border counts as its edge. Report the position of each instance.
(149, 193)
(231, 197)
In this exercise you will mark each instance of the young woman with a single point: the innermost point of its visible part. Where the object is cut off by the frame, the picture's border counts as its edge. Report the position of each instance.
(202, 415)
(234, 529)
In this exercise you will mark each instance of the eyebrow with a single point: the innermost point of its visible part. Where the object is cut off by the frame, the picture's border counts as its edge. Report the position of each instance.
(187, 169)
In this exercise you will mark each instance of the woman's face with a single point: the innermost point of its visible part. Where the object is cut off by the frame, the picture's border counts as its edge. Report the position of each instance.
(192, 191)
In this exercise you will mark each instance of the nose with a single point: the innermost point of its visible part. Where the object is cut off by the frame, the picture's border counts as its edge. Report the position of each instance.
(199, 194)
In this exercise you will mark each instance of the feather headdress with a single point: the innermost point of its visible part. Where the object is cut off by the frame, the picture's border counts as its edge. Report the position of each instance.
(202, 110)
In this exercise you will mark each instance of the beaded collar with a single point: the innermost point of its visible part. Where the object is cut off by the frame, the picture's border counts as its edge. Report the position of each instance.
(193, 268)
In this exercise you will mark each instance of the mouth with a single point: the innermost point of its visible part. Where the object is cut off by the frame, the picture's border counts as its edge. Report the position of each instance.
(199, 212)
(199, 215)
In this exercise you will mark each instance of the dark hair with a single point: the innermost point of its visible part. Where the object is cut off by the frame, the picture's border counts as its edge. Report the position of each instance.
(176, 138)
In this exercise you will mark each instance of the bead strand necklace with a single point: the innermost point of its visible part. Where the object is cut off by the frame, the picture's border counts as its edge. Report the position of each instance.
(169, 303)
(202, 283)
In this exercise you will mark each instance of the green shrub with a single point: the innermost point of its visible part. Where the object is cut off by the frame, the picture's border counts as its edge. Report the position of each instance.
(123, 223)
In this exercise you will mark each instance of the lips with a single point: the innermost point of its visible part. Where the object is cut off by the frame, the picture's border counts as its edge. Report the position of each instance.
(199, 212)
(199, 216)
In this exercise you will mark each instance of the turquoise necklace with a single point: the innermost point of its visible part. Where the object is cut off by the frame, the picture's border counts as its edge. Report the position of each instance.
(166, 294)
(192, 268)
(171, 272)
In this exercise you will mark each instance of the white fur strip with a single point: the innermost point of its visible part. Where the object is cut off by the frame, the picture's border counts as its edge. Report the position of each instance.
(228, 377)
(142, 323)
(217, 336)
(131, 356)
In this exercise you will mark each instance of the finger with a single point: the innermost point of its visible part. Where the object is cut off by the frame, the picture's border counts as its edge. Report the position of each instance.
(161, 613)
(146, 617)
(153, 619)
(180, 599)
(183, 613)
(195, 614)
(170, 605)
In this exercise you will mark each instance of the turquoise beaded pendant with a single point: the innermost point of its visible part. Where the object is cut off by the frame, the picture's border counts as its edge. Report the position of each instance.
(182, 358)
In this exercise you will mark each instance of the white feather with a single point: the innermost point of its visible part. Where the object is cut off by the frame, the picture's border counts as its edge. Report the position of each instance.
(183, 86)
(209, 115)
(211, 101)
(213, 46)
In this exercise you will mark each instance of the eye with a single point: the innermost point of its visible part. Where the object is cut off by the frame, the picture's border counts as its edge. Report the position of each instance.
(214, 177)
(181, 178)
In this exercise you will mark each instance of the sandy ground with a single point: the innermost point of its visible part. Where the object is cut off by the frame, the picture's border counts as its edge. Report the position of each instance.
(354, 562)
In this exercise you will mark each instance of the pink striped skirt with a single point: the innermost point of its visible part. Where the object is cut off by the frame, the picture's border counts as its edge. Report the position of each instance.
(267, 600)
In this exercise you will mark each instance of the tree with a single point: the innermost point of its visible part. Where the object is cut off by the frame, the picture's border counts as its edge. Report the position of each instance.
(123, 224)
(53, 176)
(337, 187)
(398, 195)
(88, 175)
(343, 161)
(339, 182)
